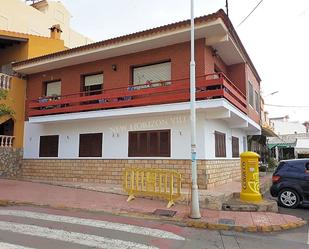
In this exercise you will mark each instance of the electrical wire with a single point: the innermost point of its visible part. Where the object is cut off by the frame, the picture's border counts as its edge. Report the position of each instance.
(288, 106)
(250, 13)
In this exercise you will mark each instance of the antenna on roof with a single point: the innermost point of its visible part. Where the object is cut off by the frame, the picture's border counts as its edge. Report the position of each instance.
(227, 7)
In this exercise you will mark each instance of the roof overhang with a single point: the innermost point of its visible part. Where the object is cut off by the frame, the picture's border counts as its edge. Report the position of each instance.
(215, 32)
(8, 41)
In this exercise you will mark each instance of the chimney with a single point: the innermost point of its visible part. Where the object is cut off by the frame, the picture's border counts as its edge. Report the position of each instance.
(55, 32)
(306, 124)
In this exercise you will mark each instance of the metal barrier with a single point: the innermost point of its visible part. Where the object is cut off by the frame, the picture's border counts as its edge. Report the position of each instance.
(152, 182)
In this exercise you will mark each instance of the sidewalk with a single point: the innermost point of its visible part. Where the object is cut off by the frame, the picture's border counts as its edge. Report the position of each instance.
(20, 192)
(212, 198)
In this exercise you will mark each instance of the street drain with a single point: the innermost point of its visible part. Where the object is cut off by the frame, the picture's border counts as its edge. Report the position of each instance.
(229, 222)
(164, 212)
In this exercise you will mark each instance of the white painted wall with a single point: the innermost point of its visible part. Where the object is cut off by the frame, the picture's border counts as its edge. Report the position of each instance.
(115, 135)
(221, 126)
(16, 16)
(284, 127)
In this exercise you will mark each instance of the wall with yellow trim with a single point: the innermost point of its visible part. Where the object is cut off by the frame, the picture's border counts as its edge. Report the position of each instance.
(34, 46)
(38, 46)
(16, 100)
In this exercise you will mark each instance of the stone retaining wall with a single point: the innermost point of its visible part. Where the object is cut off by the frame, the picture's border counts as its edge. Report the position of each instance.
(210, 172)
(10, 162)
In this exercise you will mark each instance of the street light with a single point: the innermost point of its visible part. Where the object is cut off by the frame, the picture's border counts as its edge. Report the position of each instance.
(195, 208)
(273, 93)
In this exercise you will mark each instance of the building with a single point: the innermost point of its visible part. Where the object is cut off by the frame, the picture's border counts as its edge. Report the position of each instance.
(289, 146)
(36, 19)
(258, 143)
(283, 126)
(96, 109)
(14, 47)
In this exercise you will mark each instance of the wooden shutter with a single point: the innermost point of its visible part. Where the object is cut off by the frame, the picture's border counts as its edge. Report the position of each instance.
(165, 143)
(235, 146)
(220, 144)
(49, 146)
(90, 145)
(152, 73)
(133, 143)
(149, 143)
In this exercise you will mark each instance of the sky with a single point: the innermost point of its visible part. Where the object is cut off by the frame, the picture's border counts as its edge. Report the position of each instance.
(276, 36)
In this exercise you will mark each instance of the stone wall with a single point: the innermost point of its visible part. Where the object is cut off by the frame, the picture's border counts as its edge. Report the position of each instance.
(10, 162)
(210, 172)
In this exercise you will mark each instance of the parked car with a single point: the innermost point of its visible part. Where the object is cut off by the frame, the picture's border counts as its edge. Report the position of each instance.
(291, 183)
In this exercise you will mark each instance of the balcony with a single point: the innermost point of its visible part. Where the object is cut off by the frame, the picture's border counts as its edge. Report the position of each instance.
(5, 81)
(6, 141)
(211, 86)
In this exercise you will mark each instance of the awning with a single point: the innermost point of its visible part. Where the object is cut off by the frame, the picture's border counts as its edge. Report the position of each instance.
(281, 145)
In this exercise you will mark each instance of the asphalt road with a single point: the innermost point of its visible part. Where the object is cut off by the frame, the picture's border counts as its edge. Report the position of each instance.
(43, 228)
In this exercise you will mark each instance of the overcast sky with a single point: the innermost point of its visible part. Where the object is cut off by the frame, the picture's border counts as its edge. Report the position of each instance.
(276, 37)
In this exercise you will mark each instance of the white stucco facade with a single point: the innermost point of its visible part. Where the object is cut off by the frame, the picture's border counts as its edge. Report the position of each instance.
(115, 131)
(16, 16)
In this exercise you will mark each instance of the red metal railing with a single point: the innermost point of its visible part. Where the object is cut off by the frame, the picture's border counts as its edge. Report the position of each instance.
(209, 86)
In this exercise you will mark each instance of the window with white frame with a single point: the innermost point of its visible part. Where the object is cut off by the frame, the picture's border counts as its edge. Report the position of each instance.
(53, 88)
(250, 93)
(152, 73)
(257, 102)
(93, 84)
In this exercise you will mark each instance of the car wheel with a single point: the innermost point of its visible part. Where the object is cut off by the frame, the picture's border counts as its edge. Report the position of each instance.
(288, 198)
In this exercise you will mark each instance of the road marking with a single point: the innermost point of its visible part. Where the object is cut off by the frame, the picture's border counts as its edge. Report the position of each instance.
(71, 237)
(11, 246)
(95, 223)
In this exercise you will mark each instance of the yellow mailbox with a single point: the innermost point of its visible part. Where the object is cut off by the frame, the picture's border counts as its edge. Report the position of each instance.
(250, 182)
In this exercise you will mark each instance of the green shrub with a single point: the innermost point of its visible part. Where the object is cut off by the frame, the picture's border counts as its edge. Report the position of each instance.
(4, 109)
(272, 163)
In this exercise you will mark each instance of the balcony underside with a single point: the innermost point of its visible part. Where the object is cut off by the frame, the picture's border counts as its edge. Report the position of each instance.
(212, 108)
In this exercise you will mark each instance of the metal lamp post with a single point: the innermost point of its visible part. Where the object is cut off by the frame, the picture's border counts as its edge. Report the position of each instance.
(195, 209)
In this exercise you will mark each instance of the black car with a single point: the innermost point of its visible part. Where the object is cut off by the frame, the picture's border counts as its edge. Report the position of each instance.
(291, 183)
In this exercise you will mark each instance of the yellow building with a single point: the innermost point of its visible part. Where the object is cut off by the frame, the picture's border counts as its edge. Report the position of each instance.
(17, 47)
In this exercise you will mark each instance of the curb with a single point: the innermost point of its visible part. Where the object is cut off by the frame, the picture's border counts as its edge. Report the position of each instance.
(239, 228)
(180, 221)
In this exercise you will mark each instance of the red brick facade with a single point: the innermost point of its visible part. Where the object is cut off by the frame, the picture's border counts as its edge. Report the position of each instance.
(179, 55)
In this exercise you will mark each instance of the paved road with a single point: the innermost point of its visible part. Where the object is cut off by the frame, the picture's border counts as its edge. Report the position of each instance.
(42, 228)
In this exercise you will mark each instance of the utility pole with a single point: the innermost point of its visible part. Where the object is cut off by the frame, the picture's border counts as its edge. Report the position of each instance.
(195, 208)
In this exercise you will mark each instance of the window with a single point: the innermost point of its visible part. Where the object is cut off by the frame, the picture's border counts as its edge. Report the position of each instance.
(53, 88)
(93, 84)
(235, 146)
(152, 73)
(250, 89)
(150, 143)
(49, 146)
(257, 102)
(220, 145)
(90, 145)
